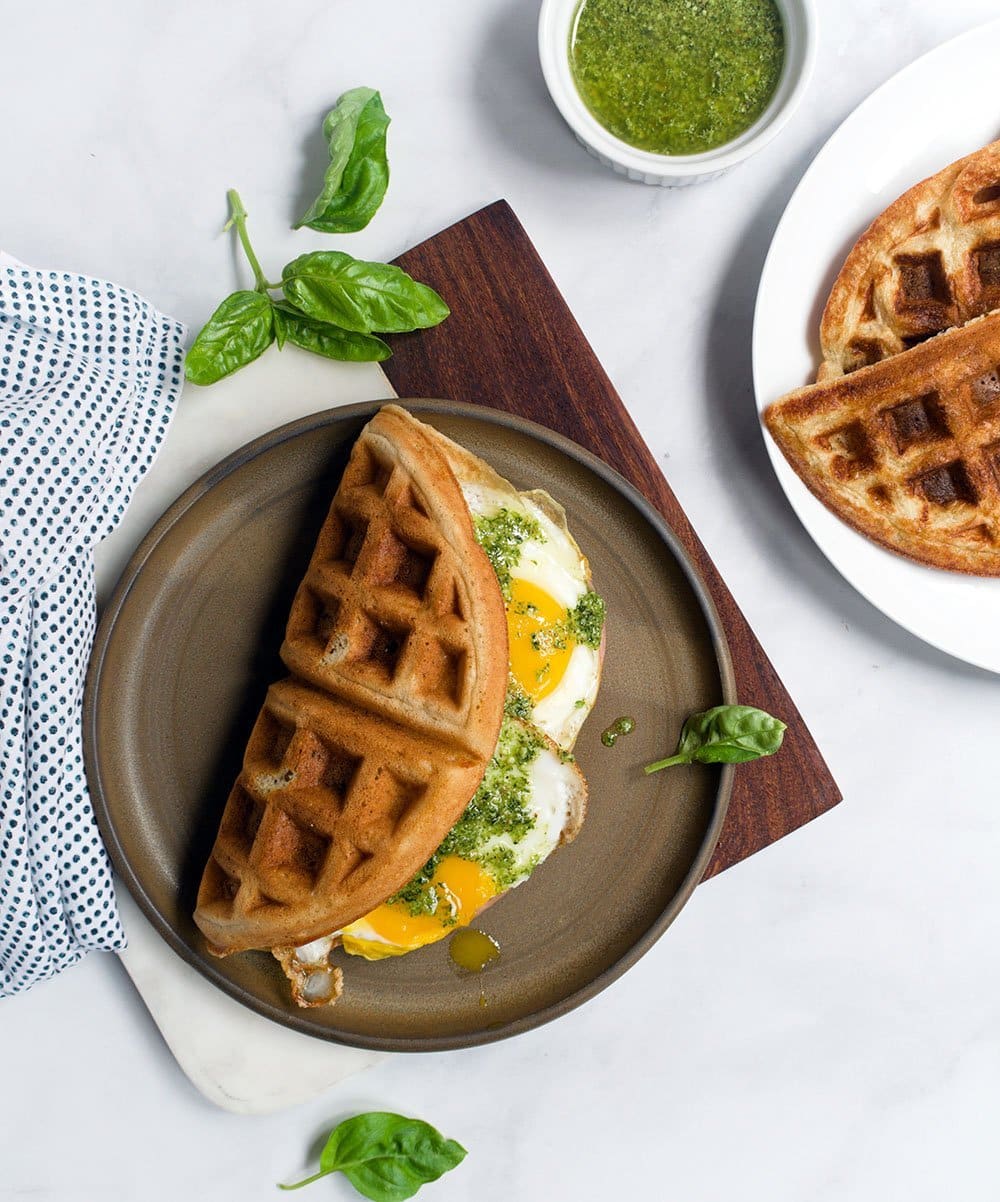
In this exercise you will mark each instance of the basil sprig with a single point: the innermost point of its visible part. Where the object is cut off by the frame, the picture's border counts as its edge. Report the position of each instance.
(386, 1157)
(333, 305)
(726, 734)
(358, 173)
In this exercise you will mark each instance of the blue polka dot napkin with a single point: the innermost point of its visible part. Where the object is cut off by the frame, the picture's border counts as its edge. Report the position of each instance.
(90, 374)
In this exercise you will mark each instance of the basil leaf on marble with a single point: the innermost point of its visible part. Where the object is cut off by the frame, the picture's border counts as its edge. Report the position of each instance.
(330, 285)
(358, 173)
(330, 341)
(239, 331)
(386, 1157)
(725, 734)
(280, 325)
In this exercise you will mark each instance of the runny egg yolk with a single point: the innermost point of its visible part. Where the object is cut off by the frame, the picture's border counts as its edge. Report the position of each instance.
(391, 930)
(540, 645)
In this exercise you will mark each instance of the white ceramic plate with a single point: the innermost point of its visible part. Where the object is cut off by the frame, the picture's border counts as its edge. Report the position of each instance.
(934, 111)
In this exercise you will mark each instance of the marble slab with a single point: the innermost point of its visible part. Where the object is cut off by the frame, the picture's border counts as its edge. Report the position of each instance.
(235, 1057)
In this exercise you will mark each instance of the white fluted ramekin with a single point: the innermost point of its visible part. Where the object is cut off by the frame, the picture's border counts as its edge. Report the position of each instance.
(674, 170)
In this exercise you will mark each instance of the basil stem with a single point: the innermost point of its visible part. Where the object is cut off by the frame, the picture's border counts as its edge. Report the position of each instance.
(238, 218)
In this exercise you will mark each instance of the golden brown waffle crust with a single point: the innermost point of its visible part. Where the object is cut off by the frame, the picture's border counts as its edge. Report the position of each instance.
(929, 262)
(365, 757)
(404, 458)
(907, 450)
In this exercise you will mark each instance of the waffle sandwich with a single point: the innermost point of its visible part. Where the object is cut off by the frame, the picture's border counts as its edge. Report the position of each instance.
(402, 777)
(930, 262)
(907, 450)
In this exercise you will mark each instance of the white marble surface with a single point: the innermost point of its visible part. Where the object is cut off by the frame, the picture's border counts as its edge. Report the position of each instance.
(823, 1022)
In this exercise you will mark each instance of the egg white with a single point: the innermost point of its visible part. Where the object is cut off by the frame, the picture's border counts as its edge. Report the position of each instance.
(556, 565)
(553, 787)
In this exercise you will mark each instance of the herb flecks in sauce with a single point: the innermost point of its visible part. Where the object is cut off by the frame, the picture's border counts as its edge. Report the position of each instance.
(586, 620)
(501, 536)
(499, 807)
(677, 76)
(583, 624)
(621, 726)
(517, 703)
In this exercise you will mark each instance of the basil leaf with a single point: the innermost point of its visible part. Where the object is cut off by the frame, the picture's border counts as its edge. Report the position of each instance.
(386, 1157)
(726, 734)
(239, 330)
(331, 341)
(330, 285)
(358, 174)
(280, 326)
(731, 734)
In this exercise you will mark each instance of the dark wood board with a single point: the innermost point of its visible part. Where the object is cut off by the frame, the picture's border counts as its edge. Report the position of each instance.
(512, 343)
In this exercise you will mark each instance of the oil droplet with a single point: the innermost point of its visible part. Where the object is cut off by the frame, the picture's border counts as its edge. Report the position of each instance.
(473, 950)
(483, 1003)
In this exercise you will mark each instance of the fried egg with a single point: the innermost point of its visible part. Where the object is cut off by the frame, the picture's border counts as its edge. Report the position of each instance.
(531, 799)
(554, 618)
(532, 796)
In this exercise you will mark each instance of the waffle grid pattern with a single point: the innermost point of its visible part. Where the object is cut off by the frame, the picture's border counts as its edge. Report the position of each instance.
(307, 815)
(929, 263)
(908, 450)
(362, 760)
(382, 612)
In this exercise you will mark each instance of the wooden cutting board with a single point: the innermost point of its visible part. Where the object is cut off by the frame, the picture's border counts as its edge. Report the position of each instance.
(512, 343)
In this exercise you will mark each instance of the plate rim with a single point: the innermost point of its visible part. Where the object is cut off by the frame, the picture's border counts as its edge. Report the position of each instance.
(797, 495)
(293, 1018)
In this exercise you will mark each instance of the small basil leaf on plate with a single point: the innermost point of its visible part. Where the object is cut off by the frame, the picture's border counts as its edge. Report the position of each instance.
(332, 286)
(322, 338)
(386, 1157)
(358, 174)
(725, 734)
(239, 330)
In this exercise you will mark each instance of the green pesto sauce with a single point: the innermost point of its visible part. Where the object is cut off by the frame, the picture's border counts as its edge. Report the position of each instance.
(517, 703)
(498, 807)
(500, 535)
(586, 620)
(677, 76)
(583, 624)
(621, 726)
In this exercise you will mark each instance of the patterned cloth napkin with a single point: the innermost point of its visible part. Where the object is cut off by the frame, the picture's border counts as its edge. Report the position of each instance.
(90, 374)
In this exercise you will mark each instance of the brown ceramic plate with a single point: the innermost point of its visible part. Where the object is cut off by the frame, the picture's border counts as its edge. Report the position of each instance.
(189, 643)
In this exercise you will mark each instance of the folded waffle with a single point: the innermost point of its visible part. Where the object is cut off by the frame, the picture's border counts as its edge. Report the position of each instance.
(362, 761)
(907, 450)
(930, 262)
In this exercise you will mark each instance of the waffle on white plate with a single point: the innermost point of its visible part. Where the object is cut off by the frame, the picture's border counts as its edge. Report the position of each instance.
(929, 262)
(907, 450)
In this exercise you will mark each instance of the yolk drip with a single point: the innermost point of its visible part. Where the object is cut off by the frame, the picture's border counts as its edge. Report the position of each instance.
(473, 950)
(391, 930)
(540, 645)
